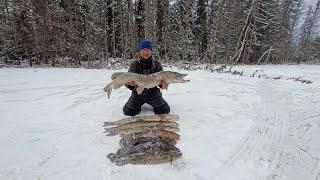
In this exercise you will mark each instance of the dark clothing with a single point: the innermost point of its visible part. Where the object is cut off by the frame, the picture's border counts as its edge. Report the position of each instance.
(145, 67)
(133, 105)
(138, 66)
(150, 96)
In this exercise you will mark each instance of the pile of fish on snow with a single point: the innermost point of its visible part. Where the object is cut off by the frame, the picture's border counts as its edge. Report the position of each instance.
(145, 139)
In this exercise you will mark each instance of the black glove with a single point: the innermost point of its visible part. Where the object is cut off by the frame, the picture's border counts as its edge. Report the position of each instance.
(130, 87)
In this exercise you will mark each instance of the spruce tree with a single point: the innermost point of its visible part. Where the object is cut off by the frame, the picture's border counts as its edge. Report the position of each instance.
(140, 20)
(200, 24)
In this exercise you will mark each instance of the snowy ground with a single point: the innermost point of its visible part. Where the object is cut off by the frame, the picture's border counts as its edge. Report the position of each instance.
(232, 127)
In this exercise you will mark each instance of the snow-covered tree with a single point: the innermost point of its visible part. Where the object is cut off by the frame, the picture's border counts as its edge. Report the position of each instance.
(200, 25)
(182, 24)
(308, 42)
(162, 27)
(140, 19)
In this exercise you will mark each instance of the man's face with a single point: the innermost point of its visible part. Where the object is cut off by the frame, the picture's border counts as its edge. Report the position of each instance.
(145, 53)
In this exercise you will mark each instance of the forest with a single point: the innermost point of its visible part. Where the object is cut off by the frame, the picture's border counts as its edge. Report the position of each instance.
(77, 32)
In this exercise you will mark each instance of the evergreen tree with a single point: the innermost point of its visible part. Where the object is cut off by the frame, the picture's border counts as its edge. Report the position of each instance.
(128, 28)
(162, 24)
(70, 32)
(308, 33)
(200, 24)
(290, 11)
(264, 31)
(216, 52)
(150, 24)
(185, 37)
(140, 19)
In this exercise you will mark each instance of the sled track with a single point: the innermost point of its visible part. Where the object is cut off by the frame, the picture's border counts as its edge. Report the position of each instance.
(264, 143)
(300, 158)
(284, 142)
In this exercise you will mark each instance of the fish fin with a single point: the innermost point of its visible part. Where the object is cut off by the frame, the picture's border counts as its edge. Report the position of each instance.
(166, 87)
(117, 86)
(108, 129)
(112, 157)
(140, 89)
(111, 130)
(109, 134)
(120, 163)
(108, 89)
(108, 124)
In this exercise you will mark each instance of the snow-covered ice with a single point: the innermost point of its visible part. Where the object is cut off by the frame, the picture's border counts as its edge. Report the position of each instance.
(232, 127)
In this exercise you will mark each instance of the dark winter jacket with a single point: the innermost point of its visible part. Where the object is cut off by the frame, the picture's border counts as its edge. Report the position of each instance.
(145, 67)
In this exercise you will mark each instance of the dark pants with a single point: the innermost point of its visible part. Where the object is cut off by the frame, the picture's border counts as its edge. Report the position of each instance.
(133, 105)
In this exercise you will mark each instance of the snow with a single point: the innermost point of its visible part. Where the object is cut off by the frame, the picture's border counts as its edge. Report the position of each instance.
(232, 127)
(311, 2)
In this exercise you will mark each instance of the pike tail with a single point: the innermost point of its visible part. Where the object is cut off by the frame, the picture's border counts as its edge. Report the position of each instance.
(110, 131)
(111, 156)
(108, 89)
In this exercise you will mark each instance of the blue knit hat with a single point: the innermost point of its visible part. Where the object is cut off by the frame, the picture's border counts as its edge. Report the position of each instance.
(145, 44)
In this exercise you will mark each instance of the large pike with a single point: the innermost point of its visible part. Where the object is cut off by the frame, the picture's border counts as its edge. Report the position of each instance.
(145, 81)
(137, 144)
(139, 140)
(151, 152)
(138, 124)
(127, 139)
(157, 117)
(123, 132)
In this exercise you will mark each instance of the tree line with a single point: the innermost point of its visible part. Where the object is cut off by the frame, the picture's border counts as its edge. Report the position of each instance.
(69, 32)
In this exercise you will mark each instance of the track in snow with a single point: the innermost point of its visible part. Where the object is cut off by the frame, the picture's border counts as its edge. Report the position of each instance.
(283, 143)
(262, 146)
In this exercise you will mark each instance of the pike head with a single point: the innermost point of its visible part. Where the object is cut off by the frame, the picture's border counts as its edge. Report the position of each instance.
(172, 77)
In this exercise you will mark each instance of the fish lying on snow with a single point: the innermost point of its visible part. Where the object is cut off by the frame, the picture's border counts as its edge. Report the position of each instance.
(162, 134)
(138, 124)
(157, 117)
(123, 132)
(150, 152)
(139, 140)
(145, 139)
(145, 81)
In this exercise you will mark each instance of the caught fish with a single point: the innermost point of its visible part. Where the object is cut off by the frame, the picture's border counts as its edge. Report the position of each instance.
(125, 142)
(145, 81)
(152, 134)
(122, 132)
(140, 144)
(116, 74)
(138, 124)
(140, 148)
(157, 117)
(151, 152)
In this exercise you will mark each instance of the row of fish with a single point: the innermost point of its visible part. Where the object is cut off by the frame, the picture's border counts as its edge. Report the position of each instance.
(145, 139)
